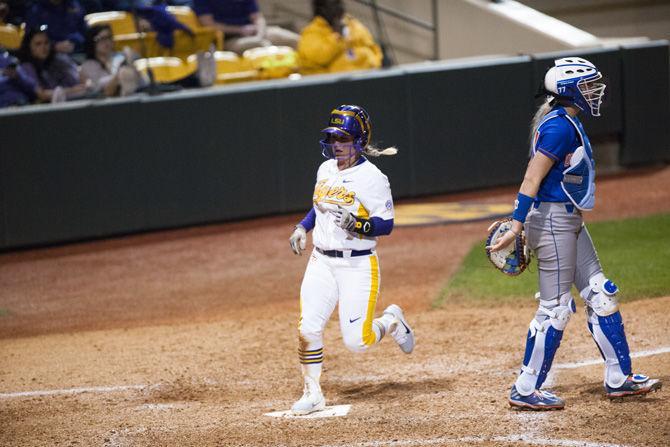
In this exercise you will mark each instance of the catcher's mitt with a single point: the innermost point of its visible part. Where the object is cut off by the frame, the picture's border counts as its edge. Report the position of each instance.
(513, 259)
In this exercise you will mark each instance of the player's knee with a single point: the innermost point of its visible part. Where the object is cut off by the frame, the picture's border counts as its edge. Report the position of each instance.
(354, 343)
(600, 295)
(310, 335)
(556, 312)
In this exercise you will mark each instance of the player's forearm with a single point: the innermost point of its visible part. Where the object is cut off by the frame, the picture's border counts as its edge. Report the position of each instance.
(309, 220)
(530, 185)
(373, 227)
(382, 227)
(538, 168)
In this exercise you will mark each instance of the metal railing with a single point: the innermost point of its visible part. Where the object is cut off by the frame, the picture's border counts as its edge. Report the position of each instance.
(433, 26)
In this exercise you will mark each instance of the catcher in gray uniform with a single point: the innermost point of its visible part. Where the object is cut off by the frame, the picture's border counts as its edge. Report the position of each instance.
(558, 186)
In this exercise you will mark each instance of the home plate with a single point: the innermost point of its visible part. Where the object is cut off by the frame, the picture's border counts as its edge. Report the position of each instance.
(328, 412)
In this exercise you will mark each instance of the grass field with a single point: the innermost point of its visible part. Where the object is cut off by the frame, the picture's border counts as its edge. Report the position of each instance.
(634, 253)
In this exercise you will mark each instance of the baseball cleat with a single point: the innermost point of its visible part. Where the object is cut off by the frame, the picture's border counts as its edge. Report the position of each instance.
(400, 330)
(312, 399)
(635, 385)
(538, 400)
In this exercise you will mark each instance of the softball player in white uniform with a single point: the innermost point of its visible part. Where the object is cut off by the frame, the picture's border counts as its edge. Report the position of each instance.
(558, 185)
(352, 207)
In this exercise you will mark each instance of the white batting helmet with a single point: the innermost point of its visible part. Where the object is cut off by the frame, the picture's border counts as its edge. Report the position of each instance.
(573, 79)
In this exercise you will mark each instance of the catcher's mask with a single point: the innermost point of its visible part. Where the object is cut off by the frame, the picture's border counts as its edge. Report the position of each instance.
(573, 79)
(346, 122)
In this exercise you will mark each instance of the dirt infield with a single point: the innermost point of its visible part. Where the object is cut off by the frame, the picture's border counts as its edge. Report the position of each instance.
(188, 337)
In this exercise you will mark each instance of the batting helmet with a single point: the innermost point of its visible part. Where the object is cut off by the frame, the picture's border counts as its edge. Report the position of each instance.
(573, 79)
(348, 120)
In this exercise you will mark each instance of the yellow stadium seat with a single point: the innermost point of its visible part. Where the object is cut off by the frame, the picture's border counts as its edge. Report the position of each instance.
(273, 62)
(125, 35)
(229, 67)
(10, 37)
(166, 69)
(204, 36)
(121, 22)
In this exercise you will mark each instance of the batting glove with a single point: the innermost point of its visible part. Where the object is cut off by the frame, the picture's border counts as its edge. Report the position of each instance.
(344, 219)
(298, 239)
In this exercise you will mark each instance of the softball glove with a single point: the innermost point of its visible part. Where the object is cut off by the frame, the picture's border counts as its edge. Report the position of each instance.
(513, 259)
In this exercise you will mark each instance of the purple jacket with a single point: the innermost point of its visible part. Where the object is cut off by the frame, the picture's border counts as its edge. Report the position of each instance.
(17, 90)
(62, 72)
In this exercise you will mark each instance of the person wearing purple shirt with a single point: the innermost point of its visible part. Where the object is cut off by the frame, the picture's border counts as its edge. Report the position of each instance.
(55, 73)
(65, 21)
(16, 88)
(242, 24)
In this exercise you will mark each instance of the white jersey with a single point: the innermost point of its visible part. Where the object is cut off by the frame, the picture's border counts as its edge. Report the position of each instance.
(363, 190)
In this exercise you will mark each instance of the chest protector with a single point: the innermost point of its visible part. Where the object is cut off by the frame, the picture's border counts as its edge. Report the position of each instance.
(578, 180)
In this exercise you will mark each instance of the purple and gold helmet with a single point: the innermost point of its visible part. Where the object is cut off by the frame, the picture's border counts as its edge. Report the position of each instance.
(347, 120)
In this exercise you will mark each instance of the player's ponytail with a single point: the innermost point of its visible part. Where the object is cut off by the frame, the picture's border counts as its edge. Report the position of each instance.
(374, 152)
(537, 119)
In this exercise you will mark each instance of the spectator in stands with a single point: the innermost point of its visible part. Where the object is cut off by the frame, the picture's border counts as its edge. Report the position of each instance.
(110, 73)
(335, 41)
(15, 87)
(4, 11)
(242, 23)
(55, 73)
(161, 21)
(14, 11)
(65, 21)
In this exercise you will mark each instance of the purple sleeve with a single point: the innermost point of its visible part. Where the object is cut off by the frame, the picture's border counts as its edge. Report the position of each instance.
(556, 137)
(381, 227)
(77, 35)
(25, 83)
(309, 220)
(65, 71)
(28, 73)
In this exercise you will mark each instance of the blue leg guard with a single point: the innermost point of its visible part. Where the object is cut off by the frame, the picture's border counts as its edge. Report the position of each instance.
(607, 329)
(552, 341)
(602, 354)
(612, 327)
(542, 342)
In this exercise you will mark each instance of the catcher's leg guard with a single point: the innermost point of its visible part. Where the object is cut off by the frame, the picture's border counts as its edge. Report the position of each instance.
(544, 338)
(606, 327)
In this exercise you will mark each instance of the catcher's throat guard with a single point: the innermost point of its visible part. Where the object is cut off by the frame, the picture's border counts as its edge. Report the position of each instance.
(513, 259)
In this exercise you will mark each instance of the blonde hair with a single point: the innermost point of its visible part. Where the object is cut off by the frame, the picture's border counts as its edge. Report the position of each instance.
(375, 152)
(545, 108)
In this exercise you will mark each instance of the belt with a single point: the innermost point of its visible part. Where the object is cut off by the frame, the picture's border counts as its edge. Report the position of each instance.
(569, 207)
(343, 254)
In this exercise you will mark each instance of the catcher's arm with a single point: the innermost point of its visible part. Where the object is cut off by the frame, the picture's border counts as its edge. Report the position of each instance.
(538, 167)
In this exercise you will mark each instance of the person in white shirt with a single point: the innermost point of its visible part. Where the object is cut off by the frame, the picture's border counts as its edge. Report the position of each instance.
(353, 206)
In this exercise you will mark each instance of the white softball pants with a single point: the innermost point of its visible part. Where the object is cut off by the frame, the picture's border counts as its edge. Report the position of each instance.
(353, 283)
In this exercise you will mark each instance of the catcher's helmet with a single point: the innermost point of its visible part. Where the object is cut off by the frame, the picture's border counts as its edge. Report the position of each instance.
(573, 79)
(348, 120)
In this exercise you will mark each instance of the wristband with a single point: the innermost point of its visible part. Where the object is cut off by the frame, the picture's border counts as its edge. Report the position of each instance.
(521, 207)
(364, 227)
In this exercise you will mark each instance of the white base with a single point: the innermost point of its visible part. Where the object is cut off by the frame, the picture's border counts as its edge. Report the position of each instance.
(328, 412)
